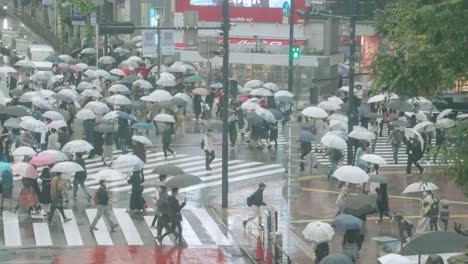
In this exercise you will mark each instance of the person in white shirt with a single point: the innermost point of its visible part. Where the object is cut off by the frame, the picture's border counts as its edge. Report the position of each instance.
(208, 147)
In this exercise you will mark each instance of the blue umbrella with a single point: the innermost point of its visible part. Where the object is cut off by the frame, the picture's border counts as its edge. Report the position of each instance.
(5, 166)
(306, 136)
(143, 126)
(347, 222)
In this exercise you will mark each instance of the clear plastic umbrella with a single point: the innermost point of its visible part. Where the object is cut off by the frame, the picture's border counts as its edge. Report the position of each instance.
(128, 163)
(253, 84)
(420, 187)
(77, 146)
(161, 95)
(119, 88)
(91, 93)
(67, 167)
(70, 93)
(117, 72)
(314, 112)
(164, 118)
(57, 124)
(329, 106)
(118, 99)
(97, 107)
(24, 151)
(261, 92)
(445, 123)
(362, 135)
(34, 125)
(166, 82)
(333, 141)
(265, 114)
(351, 174)
(106, 60)
(88, 51)
(271, 86)
(143, 84)
(84, 86)
(318, 232)
(85, 114)
(108, 175)
(374, 159)
(53, 115)
(142, 139)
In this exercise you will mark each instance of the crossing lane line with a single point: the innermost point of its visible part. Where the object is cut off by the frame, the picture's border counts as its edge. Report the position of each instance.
(211, 227)
(128, 228)
(101, 235)
(42, 234)
(11, 229)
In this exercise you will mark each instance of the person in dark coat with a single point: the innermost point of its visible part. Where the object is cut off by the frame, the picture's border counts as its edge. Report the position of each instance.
(175, 217)
(103, 208)
(88, 134)
(306, 148)
(64, 138)
(80, 177)
(414, 151)
(256, 201)
(139, 150)
(274, 134)
(233, 127)
(209, 100)
(44, 198)
(197, 105)
(166, 140)
(123, 134)
(137, 202)
(382, 202)
(321, 251)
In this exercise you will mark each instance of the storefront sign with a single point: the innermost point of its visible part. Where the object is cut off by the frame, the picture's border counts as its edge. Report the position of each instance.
(149, 45)
(167, 42)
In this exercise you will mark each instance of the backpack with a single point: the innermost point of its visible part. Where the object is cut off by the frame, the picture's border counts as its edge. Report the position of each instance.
(95, 198)
(249, 201)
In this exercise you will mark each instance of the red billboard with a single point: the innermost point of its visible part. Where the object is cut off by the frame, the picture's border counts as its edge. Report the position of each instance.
(260, 11)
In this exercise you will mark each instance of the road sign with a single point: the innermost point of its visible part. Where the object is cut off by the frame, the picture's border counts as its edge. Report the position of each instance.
(149, 48)
(167, 42)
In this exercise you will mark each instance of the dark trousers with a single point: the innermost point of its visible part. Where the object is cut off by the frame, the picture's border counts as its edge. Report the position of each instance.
(53, 207)
(445, 222)
(163, 222)
(303, 155)
(433, 223)
(167, 148)
(210, 156)
(412, 160)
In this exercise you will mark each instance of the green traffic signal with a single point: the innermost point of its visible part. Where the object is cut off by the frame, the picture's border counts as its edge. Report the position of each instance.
(296, 52)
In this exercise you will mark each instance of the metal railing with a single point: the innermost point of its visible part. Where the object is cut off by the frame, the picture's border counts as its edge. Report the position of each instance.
(279, 256)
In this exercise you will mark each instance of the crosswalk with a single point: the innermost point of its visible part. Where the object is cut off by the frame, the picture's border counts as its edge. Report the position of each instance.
(281, 139)
(199, 229)
(239, 170)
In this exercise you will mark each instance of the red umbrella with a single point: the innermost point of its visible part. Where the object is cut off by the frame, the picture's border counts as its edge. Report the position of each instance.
(42, 160)
(127, 71)
(244, 98)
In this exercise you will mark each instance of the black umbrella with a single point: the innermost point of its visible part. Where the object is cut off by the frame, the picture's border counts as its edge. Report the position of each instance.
(17, 110)
(168, 169)
(430, 243)
(75, 53)
(62, 97)
(359, 205)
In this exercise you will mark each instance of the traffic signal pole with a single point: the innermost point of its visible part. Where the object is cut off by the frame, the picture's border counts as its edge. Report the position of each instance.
(225, 106)
(352, 113)
(291, 45)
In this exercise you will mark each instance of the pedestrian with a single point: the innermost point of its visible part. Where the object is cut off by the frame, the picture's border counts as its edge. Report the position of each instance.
(101, 201)
(373, 127)
(208, 147)
(6, 187)
(306, 148)
(233, 128)
(80, 177)
(255, 201)
(350, 246)
(361, 150)
(64, 137)
(45, 192)
(166, 140)
(27, 197)
(395, 137)
(382, 202)
(160, 201)
(53, 142)
(137, 202)
(342, 197)
(175, 217)
(440, 140)
(123, 134)
(139, 150)
(335, 156)
(56, 195)
(274, 134)
(180, 123)
(427, 135)
(444, 215)
(197, 109)
(108, 148)
(424, 222)
(317, 131)
(88, 133)
(434, 215)
(414, 151)
(321, 251)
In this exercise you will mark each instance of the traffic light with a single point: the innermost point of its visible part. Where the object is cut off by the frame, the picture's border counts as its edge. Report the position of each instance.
(296, 52)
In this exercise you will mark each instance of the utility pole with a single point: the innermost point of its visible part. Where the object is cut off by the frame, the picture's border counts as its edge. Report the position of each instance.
(291, 45)
(158, 33)
(225, 105)
(352, 113)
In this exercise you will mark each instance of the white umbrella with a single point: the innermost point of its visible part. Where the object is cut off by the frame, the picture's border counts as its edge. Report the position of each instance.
(143, 84)
(445, 123)
(444, 113)
(90, 73)
(57, 124)
(42, 76)
(351, 174)
(53, 115)
(335, 99)
(314, 112)
(128, 163)
(119, 88)
(84, 86)
(88, 51)
(28, 97)
(182, 96)
(422, 125)
(164, 118)
(338, 117)
(97, 107)
(250, 106)
(70, 93)
(135, 59)
(7, 69)
(82, 66)
(336, 124)
(333, 141)
(271, 86)
(265, 114)
(253, 84)
(410, 133)
(420, 187)
(121, 50)
(118, 99)
(148, 98)
(67, 167)
(46, 93)
(167, 75)
(166, 82)
(42, 103)
(34, 125)
(76, 146)
(161, 95)
(376, 98)
(374, 159)
(393, 258)
(318, 232)
(362, 135)
(261, 92)
(91, 93)
(142, 139)
(329, 106)
(108, 175)
(66, 58)
(102, 73)
(25, 63)
(58, 155)
(177, 68)
(418, 100)
(53, 80)
(106, 60)
(85, 114)
(283, 93)
(24, 151)
(117, 72)
(421, 116)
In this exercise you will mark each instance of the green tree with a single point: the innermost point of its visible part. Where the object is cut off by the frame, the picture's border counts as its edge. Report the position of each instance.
(431, 38)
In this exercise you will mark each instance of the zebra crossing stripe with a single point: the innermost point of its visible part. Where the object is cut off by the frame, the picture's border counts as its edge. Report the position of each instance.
(230, 168)
(211, 227)
(11, 229)
(189, 234)
(248, 170)
(101, 235)
(72, 233)
(130, 232)
(154, 232)
(42, 234)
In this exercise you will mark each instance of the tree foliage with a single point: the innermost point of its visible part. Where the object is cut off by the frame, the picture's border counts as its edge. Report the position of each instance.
(431, 38)
(454, 152)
